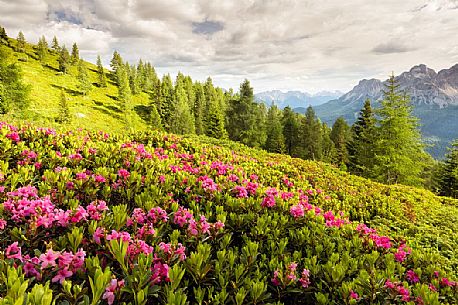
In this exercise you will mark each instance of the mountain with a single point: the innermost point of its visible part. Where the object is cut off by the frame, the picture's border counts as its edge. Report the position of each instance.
(296, 99)
(434, 97)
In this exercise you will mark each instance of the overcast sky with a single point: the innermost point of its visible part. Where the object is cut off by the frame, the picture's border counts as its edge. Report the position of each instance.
(278, 44)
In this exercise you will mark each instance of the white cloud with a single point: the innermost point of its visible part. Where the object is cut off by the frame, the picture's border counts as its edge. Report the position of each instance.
(277, 44)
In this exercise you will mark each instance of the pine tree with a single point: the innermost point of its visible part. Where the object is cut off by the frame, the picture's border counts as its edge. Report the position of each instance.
(13, 92)
(361, 148)
(102, 80)
(275, 140)
(155, 118)
(64, 111)
(182, 119)
(167, 102)
(133, 79)
(290, 131)
(21, 43)
(55, 45)
(83, 78)
(329, 153)
(64, 60)
(340, 136)
(448, 181)
(124, 93)
(310, 136)
(400, 152)
(3, 35)
(115, 63)
(215, 122)
(210, 97)
(199, 103)
(75, 57)
(42, 48)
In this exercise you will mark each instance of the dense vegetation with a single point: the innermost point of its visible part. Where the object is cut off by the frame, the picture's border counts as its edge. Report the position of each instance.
(92, 218)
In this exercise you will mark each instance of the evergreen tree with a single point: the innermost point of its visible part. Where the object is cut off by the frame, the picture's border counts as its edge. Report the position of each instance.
(83, 78)
(256, 136)
(21, 43)
(361, 148)
(290, 131)
(167, 102)
(155, 118)
(55, 45)
(64, 60)
(210, 97)
(448, 181)
(329, 153)
(399, 150)
(64, 111)
(310, 136)
(115, 63)
(215, 122)
(124, 93)
(275, 140)
(42, 48)
(340, 136)
(102, 80)
(13, 92)
(199, 103)
(133, 79)
(182, 119)
(75, 57)
(3, 35)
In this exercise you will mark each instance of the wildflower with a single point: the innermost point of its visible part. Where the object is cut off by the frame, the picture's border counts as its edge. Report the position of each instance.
(62, 275)
(305, 278)
(353, 295)
(48, 259)
(123, 173)
(412, 277)
(297, 211)
(13, 251)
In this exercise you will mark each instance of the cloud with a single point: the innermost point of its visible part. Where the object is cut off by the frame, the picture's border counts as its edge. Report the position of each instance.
(277, 44)
(391, 47)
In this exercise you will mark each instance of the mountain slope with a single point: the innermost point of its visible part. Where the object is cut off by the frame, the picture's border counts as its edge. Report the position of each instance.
(433, 95)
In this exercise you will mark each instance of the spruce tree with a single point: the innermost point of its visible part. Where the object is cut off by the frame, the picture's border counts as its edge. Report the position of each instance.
(64, 60)
(400, 152)
(133, 79)
(361, 148)
(75, 57)
(55, 45)
(448, 181)
(215, 122)
(83, 78)
(21, 43)
(275, 141)
(13, 92)
(199, 104)
(310, 136)
(182, 119)
(155, 118)
(115, 63)
(42, 48)
(290, 131)
(340, 136)
(101, 78)
(3, 35)
(167, 102)
(124, 94)
(63, 116)
(329, 153)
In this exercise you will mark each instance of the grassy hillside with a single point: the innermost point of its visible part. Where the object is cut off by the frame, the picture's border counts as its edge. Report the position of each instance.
(153, 218)
(97, 110)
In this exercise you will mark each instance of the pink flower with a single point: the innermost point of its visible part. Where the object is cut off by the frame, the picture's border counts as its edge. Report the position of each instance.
(297, 211)
(14, 136)
(275, 281)
(305, 278)
(98, 234)
(354, 295)
(123, 173)
(389, 284)
(13, 251)
(240, 192)
(99, 179)
(3, 223)
(62, 274)
(268, 201)
(48, 259)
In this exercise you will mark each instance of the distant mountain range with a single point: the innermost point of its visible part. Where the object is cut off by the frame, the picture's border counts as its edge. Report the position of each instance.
(296, 99)
(433, 95)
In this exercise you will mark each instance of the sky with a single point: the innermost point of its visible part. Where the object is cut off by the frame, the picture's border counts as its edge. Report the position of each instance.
(276, 44)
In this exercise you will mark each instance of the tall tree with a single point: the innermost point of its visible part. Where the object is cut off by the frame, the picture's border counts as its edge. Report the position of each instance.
(182, 119)
(42, 48)
(328, 153)
(55, 45)
(116, 62)
(155, 118)
(275, 140)
(167, 102)
(75, 57)
(21, 43)
(124, 94)
(83, 78)
(290, 131)
(448, 181)
(63, 116)
(13, 92)
(215, 122)
(199, 104)
(64, 60)
(133, 79)
(3, 35)
(310, 136)
(102, 80)
(361, 148)
(340, 136)
(400, 152)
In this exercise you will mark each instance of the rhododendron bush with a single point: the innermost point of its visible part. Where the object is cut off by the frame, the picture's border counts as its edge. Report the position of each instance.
(150, 218)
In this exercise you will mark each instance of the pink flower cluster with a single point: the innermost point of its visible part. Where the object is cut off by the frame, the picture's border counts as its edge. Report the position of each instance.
(397, 289)
(208, 184)
(62, 264)
(380, 241)
(289, 276)
(109, 293)
(195, 227)
(269, 199)
(401, 253)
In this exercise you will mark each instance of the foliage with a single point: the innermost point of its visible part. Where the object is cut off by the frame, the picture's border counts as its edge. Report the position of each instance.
(64, 60)
(85, 84)
(64, 110)
(93, 218)
(448, 182)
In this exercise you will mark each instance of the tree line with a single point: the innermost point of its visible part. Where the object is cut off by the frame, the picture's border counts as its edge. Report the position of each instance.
(383, 144)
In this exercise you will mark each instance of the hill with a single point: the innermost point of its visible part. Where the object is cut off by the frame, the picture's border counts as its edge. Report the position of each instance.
(99, 109)
(434, 98)
(295, 99)
(152, 217)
